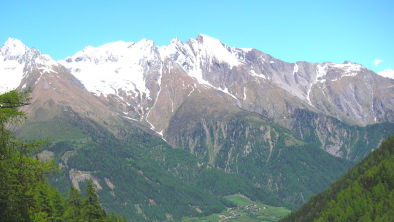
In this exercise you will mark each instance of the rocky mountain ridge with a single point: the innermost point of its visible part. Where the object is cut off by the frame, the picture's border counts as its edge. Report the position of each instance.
(243, 74)
(146, 83)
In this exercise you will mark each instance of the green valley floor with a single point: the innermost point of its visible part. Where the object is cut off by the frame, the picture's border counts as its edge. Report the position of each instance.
(246, 210)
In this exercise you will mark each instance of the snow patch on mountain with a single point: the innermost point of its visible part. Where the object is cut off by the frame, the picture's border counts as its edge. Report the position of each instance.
(253, 73)
(11, 73)
(388, 73)
(157, 97)
(350, 69)
(247, 49)
(321, 71)
(295, 69)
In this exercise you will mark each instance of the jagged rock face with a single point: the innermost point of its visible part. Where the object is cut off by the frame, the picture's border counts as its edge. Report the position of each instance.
(355, 96)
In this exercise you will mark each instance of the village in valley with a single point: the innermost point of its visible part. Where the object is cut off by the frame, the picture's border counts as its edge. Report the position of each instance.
(251, 207)
(246, 210)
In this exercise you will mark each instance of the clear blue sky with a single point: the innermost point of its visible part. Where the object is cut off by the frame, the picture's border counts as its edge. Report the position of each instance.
(357, 31)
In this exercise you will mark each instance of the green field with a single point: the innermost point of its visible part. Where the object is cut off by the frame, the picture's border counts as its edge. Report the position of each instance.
(270, 213)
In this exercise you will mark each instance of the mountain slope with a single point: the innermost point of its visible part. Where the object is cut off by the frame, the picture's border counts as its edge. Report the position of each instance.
(239, 142)
(365, 193)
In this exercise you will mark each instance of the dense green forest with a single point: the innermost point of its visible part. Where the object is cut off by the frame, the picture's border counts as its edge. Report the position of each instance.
(144, 190)
(25, 194)
(365, 193)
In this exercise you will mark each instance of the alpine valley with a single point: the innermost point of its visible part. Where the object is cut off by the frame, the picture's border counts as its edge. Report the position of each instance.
(165, 133)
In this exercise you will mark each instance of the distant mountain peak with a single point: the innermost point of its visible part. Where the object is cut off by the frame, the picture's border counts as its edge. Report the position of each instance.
(13, 48)
(176, 40)
(18, 62)
(14, 42)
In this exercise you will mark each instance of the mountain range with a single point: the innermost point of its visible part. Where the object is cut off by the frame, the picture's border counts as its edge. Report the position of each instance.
(282, 130)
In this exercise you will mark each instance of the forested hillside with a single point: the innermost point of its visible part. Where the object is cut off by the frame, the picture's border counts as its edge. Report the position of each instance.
(143, 178)
(25, 194)
(365, 193)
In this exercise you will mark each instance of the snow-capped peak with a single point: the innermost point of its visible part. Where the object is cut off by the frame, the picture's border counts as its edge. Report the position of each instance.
(12, 63)
(176, 41)
(17, 60)
(13, 48)
(104, 52)
(46, 60)
(171, 49)
(388, 73)
(214, 48)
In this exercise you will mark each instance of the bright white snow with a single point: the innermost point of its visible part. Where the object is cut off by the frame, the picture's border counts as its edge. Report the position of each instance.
(105, 69)
(388, 73)
(14, 56)
(11, 71)
(350, 69)
(113, 66)
(13, 48)
(247, 49)
(295, 69)
(213, 48)
(253, 73)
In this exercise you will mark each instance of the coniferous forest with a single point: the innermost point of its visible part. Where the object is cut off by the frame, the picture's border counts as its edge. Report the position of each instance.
(25, 194)
(365, 193)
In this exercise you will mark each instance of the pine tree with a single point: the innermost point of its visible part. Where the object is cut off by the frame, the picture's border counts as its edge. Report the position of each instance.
(42, 208)
(57, 203)
(19, 171)
(73, 206)
(91, 209)
(112, 217)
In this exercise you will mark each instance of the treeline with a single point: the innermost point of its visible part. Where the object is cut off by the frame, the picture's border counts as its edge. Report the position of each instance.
(25, 194)
(76, 208)
(365, 193)
(47, 204)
